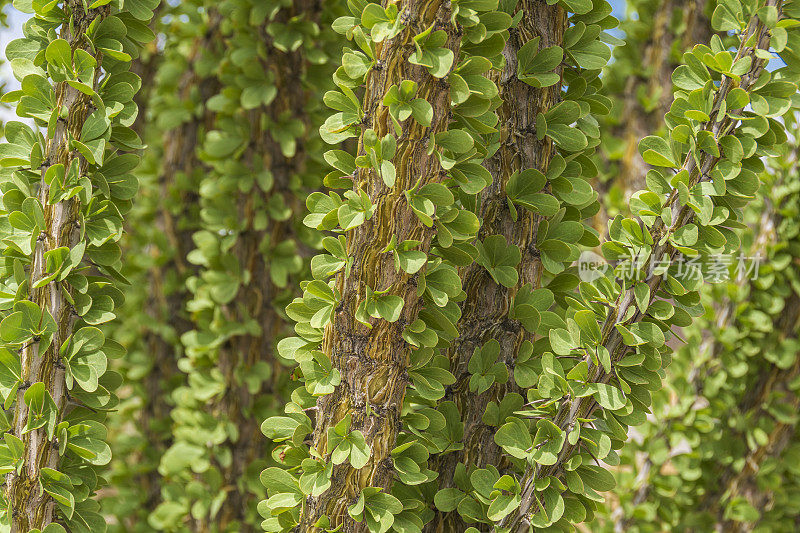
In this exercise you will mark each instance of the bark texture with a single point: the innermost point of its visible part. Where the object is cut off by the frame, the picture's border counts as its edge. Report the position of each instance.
(486, 307)
(373, 362)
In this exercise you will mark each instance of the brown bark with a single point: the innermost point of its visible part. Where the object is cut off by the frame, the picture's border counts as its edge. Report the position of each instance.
(373, 362)
(31, 506)
(485, 309)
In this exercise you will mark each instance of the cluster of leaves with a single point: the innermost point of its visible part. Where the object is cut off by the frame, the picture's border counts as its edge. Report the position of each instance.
(590, 371)
(727, 444)
(533, 231)
(66, 186)
(411, 405)
(4, 24)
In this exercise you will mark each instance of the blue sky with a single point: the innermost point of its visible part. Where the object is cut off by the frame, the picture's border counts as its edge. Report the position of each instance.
(618, 8)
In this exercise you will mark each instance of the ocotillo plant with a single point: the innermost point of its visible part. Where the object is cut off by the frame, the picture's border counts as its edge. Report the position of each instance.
(532, 227)
(617, 325)
(582, 389)
(743, 382)
(66, 188)
(159, 237)
(355, 283)
(267, 60)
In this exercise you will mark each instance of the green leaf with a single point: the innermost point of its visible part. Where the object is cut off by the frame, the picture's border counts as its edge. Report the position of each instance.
(359, 451)
(737, 98)
(641, 292)
(587, 321)
(608, 397)
(316, 477)
(596, 477)
(446, 500)
(548, 443)
(605, 358)
(726, 19)
(535, 67)
(59, 54)
(455, 140)
(485, 369)
(95, 126)
(500, 259)
(277, 480)
(514, 438)
(656, 151)
(389, 307)
(523, 189)
(503, 505)
(567, 137)
(561, 341)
